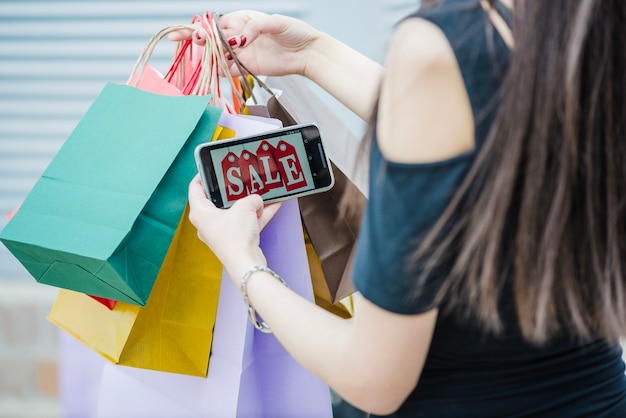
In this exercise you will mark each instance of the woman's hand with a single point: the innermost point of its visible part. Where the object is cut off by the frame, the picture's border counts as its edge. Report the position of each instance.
(276, 45)
(232, 234)
(271, 45)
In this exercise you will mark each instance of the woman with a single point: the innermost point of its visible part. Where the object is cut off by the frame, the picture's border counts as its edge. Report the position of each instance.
(490, 264)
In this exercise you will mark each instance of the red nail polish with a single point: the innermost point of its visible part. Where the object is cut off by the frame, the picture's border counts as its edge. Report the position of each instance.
(243, 41)
(232, 41)
(229, 57)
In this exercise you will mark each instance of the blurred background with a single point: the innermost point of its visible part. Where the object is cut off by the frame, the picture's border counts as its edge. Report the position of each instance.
(55, 57)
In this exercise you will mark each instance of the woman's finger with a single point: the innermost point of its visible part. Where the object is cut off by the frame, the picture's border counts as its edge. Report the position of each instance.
(243, 28)
(198, 35)
(255, 27)
(268, 214)
(252, 203)
(235, 21)
(180, 35)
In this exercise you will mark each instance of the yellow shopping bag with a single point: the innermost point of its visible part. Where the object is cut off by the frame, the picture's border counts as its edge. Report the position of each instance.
(173, 332)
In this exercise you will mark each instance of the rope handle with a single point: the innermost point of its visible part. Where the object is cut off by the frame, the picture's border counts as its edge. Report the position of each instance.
(205, 77)
(209, 75)
(243, 70)
(148, 50)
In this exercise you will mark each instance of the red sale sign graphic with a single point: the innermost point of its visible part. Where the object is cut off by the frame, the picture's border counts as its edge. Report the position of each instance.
(289, 166)
(270, 168)
(235, 187)
(250, 173)
(267, 166)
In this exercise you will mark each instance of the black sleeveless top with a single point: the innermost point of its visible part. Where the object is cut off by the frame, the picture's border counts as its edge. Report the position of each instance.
(470, 373)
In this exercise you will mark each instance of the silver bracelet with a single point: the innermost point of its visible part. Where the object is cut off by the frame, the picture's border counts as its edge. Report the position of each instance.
(254, 318)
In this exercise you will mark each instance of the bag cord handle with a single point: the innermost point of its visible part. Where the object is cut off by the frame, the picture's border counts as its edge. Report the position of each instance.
(205, 78)
(243, 70)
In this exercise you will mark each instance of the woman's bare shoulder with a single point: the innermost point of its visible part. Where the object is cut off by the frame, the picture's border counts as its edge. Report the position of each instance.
(425, 113)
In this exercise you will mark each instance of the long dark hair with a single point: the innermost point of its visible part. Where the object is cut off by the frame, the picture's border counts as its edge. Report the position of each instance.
(554, 166)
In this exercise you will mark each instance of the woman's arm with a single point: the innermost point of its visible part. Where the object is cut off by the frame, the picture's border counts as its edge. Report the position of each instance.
(349, 76)
(375, 359)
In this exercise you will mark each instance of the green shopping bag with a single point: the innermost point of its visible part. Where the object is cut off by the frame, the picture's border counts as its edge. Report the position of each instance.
(103, 214)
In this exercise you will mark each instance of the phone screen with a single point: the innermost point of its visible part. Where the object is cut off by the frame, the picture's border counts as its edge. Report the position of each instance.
(285, 163)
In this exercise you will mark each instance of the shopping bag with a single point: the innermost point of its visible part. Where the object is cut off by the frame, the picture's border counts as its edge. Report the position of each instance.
(333, 232)
(101, 217)
(173, 332)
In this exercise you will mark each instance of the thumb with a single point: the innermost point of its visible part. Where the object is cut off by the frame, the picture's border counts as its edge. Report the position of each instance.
(196, 193)
(252, 203)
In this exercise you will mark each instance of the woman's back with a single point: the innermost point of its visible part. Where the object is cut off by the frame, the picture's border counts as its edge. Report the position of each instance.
(470, 371)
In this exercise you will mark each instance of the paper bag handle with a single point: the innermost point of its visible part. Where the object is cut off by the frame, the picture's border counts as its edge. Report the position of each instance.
(206, 79)
(148, 50)
(243, 70)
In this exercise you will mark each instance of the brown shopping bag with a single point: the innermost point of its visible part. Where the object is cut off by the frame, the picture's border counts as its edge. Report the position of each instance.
(333, 233)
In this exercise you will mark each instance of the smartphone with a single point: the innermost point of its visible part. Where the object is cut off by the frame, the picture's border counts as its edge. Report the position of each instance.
(277, 165)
